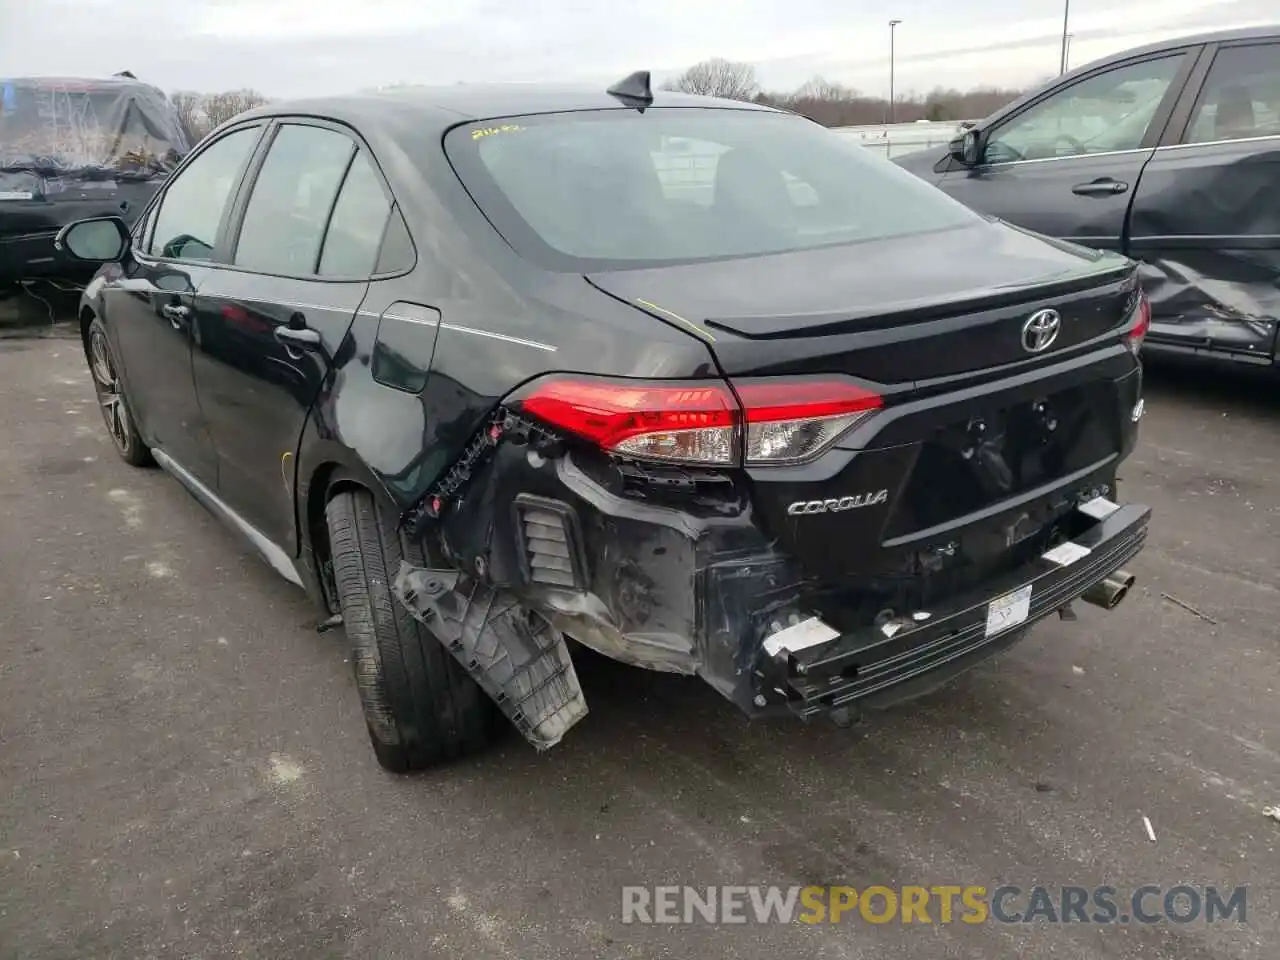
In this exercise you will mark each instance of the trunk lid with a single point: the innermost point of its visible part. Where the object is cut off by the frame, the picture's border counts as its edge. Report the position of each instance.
(982, 445)
(901, 312)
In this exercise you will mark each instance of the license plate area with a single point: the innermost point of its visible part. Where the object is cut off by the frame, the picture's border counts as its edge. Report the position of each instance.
(1008, 611)
(998, 452)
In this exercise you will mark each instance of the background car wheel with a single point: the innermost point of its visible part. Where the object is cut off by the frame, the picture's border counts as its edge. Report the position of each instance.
(116, 412)
(420, 706)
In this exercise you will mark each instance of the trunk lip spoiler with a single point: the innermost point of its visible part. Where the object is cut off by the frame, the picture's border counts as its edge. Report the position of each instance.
(776, 326)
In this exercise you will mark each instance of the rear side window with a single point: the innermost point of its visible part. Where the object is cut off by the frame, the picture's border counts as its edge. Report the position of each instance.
(292, 196)
(192, 207)
(358, 222)
(397, 253)
(1241, 96)
(616, 188)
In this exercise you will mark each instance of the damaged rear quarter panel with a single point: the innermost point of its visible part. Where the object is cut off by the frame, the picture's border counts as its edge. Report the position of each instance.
(1206, 224)
(635, 604)
(675, 584)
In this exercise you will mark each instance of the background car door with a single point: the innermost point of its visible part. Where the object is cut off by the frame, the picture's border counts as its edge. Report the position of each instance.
(148, 310)
(272, 319)
(1067, 165)
(1206, 218)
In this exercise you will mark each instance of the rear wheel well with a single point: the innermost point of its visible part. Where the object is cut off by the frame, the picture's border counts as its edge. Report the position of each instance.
(326, 483)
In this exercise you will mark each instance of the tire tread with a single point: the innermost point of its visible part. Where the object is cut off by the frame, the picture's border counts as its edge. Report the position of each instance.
(420, 706)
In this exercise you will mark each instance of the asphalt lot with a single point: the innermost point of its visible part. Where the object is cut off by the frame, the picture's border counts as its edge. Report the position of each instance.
(184, 771)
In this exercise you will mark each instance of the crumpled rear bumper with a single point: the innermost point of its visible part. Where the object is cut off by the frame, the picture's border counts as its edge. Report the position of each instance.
(682, 578)
(886, 663)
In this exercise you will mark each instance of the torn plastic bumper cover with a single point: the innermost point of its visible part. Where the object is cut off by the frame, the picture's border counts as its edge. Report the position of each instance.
(669, 570)
(525, 667)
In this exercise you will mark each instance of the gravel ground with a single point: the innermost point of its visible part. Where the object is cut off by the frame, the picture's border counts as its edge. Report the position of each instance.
(184, 771)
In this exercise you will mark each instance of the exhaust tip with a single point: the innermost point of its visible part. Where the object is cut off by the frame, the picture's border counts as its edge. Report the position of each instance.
(1108, 592)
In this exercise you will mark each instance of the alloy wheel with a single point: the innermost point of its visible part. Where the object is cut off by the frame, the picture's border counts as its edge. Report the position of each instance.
(115, 412)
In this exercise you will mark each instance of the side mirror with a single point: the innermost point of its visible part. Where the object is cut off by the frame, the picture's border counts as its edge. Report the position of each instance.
(100, 240)
(967, 148)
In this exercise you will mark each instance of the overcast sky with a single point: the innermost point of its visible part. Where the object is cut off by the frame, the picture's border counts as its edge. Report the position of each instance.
(297, 47)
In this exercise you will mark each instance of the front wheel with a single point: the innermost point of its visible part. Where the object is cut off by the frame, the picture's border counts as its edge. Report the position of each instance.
(420, 706)
(116, 412)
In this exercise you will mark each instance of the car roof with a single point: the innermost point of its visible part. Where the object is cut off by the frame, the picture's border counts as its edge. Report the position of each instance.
(1173, 43)
(1216, 36)
(449, 105)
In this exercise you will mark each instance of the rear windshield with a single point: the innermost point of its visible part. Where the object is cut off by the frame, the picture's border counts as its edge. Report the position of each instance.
(617, 188)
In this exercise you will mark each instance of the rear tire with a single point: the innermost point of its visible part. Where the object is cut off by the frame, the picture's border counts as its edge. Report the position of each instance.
(420, 707)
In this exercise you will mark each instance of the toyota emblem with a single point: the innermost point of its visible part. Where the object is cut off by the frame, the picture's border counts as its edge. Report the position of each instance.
(1040, 330)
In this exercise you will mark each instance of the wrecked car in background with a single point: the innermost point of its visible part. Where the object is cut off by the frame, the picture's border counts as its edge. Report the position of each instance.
(71, 149)
(1169, 153)
(492, 369)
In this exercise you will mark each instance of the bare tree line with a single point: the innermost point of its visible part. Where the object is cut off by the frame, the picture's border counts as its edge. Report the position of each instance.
(202, 112)
(828, 103)
(837, 105)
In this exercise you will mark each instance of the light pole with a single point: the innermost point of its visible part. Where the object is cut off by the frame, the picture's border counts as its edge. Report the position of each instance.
(892, 24)
(1066, 17)
(1066, 60)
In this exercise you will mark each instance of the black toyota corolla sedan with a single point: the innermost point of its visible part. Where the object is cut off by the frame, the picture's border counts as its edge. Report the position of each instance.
(496, 372)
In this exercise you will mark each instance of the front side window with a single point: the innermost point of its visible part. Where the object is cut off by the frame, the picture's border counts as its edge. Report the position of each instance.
(1241, 96)
(617, 188)
(192, 206)
(292, 196)
(358, 221)
(1106, 112)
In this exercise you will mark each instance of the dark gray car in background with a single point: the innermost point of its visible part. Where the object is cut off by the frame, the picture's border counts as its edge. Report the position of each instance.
(1169, 153)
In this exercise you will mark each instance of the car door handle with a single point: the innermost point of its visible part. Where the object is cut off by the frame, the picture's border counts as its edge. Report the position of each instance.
(1104, 187)
(176, 314)
(302, 335)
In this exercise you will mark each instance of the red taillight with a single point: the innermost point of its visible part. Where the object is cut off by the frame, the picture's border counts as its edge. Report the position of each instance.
(790, 421)
(1141, 323)
(769, 400)
(701, 421)
(687, 421)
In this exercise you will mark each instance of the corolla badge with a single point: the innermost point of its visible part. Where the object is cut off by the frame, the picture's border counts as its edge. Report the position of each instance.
(838, 504)
(1040, 330)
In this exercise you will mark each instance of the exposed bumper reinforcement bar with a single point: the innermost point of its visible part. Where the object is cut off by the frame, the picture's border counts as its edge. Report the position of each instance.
(879, 665)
